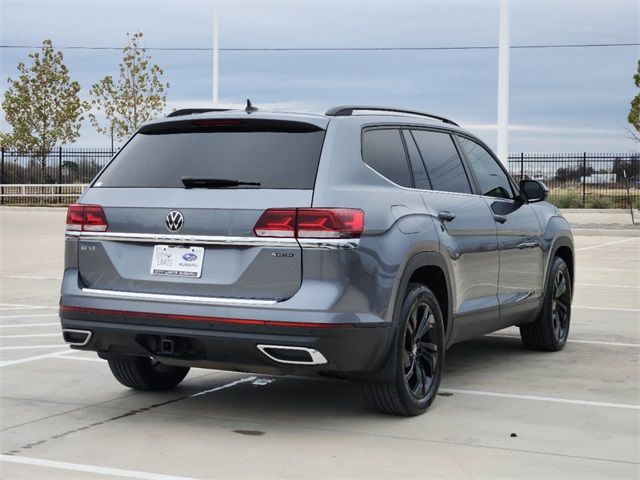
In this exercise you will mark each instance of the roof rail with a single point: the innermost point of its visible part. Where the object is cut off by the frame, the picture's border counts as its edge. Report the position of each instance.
(192, 111)
(347, 110)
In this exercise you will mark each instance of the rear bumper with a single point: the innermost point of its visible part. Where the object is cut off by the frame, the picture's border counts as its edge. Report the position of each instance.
(348, 350)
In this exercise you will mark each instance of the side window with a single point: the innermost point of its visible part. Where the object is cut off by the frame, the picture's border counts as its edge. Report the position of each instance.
(441, 159)
(420, 177)
(492, 180)
(383, 151)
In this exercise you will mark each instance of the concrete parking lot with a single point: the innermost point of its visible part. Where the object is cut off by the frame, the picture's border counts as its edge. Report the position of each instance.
(503, 411)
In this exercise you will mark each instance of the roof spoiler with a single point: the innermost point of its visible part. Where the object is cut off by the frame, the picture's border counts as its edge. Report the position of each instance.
(347, 110)
(193, 111)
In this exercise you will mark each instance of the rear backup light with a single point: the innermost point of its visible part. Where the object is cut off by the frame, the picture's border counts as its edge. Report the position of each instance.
(310, 223)
(88, 218)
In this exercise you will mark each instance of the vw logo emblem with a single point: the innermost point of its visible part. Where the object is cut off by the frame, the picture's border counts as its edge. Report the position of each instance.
(174, 220)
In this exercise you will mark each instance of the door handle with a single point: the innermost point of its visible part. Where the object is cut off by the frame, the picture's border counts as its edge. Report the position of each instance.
(528, 245)
(500, 218)
(446, 216)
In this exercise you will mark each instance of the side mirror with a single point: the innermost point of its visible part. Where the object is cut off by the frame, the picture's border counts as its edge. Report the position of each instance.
(533, 190)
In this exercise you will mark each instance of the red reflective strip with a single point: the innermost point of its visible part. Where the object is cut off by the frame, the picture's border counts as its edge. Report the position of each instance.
(195, 318)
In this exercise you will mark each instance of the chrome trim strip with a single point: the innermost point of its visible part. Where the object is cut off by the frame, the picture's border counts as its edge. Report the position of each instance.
(330, 243)
(323, 243)
(316, 357)
(177, 298)
(184, 239)
(78, 344)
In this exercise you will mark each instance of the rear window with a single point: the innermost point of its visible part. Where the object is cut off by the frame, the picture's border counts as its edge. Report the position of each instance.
(274, 154)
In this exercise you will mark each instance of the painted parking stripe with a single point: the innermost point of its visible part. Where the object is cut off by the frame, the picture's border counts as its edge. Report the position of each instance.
(589, 342)
(582, 249)
(28, 347)
(222, 387)
(83, 359)
(24, 305)
(8, 363)
(29, 277)
(541, 399)
(601, 285)
(616, 309)
(30, 335)
(29, 315)
(79, 467)
(18, 325)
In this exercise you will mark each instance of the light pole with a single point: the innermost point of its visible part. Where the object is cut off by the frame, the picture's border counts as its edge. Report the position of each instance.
(216, 57)
(503, 82)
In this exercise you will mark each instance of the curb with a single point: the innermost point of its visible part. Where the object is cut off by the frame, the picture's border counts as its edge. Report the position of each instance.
(605, 232)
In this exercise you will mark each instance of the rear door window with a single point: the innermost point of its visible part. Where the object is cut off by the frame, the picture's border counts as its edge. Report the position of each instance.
(274, 154)
(441, 159)
(383, 150)
(492, 180)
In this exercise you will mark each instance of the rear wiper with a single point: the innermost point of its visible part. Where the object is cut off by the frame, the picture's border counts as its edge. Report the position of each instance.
(198, 182)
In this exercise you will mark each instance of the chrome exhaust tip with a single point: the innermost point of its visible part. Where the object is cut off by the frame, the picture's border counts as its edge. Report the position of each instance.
(77, 338)
(293, 355)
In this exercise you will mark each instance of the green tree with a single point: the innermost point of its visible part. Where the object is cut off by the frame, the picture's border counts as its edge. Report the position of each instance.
(42, 106)
(136, 97)
(634, 113)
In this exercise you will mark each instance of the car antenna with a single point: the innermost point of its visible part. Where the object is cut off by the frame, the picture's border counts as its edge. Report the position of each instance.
(250, 108)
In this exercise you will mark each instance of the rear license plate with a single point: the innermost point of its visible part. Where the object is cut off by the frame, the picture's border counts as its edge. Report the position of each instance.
(177, 261)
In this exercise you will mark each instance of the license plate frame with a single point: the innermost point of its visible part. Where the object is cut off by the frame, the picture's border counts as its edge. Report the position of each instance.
(177, 261)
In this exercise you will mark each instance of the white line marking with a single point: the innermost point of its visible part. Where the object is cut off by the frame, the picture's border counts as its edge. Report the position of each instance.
(78, 467)
(600, 285)
(542, 399)
(582, 249)
(18, 325)
(29, 335)
(610, 269)
(616, 309)
(22, 306)
(232, 384)
(8, 363)
(27, 347)
(30, 316)
(27, 277)
(590, 342)
(84, 359)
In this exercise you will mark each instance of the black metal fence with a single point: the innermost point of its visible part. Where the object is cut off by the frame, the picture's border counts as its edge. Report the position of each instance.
(62, 165)
(601, 180)
(585, 180)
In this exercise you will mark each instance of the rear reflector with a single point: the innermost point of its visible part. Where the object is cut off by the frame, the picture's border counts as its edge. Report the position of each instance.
(88, 218)
(310, 223)
(198, 318)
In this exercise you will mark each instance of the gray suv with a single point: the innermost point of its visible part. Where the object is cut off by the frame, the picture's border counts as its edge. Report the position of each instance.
(359, 244)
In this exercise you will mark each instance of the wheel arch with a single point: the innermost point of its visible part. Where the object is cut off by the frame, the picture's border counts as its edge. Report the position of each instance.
(563, 248)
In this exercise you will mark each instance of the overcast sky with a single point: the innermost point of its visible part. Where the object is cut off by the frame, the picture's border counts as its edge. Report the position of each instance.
(562, 100)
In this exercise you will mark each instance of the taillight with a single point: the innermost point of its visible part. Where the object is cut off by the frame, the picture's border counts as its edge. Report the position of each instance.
(88, 218)
(311, 223)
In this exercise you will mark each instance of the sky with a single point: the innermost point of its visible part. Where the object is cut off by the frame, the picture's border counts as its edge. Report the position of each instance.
(561, 99)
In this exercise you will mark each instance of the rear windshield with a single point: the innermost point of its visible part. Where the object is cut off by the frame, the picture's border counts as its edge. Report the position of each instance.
(274, 154)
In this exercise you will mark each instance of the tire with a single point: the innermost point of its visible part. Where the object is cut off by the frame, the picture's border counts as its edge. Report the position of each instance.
(418, 363)
(549, 332)
(143, 373)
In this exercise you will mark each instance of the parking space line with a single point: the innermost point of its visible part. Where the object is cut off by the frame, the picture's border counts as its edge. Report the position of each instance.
(541, 399)
(27, 347)
(590, 342)
(29, 335)
(609, 269)
(582, 249)
(600, 285)
(29, 316)
(17, 325)
(616, 309)
(84, 359)
(222, 387)
(8, 363)
(79, 467)
(28, 277)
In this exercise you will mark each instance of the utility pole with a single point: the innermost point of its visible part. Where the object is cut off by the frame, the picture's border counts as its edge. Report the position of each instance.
(503, 82)
(216, 57)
